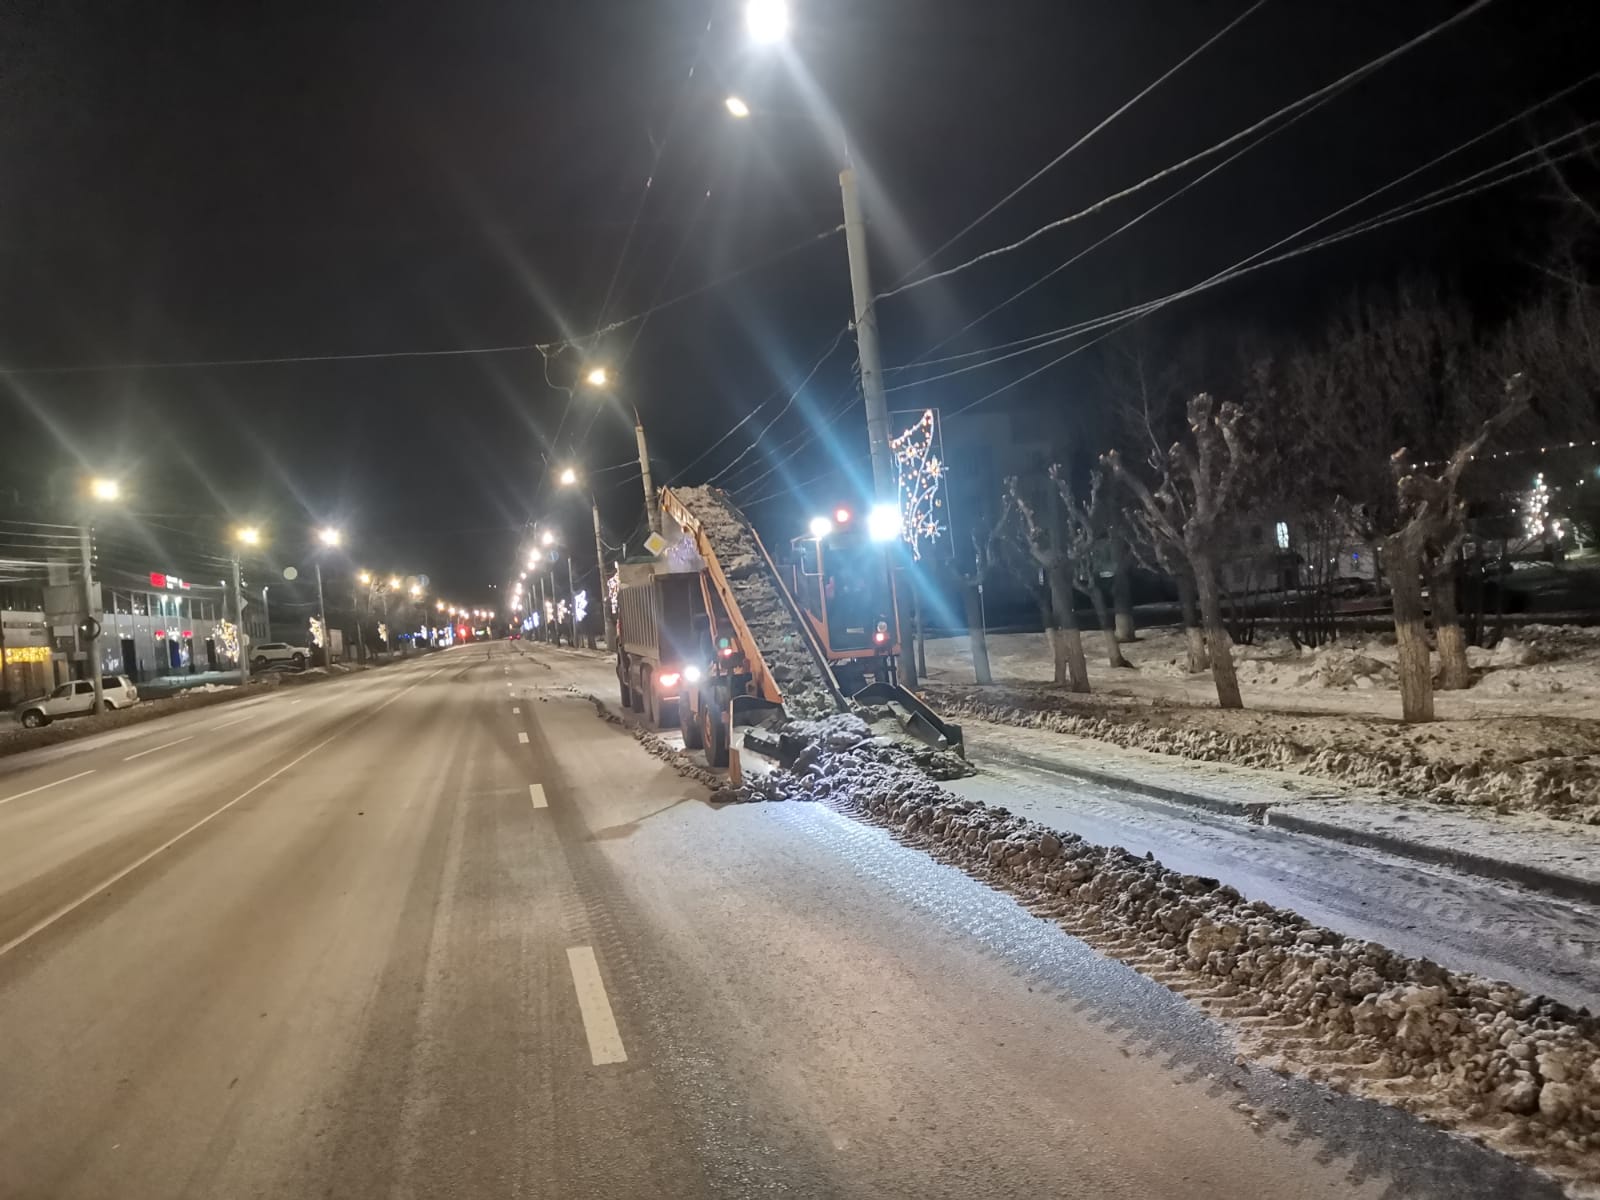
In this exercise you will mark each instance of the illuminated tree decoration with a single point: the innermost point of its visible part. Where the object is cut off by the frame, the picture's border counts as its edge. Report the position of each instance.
(920, 474)
(316, 632)
(226, 635)
(561, 611)
(1536, 507)
(580, 605)
(613, 586)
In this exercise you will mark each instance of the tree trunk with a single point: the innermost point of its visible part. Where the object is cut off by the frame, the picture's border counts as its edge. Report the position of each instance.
(1454, 673)
(922, 632)
(1122, 592)
(1195, 637)
(1403, 565)
(1061, 604)
(1217, 641)
(1107, 625)
(977, 636)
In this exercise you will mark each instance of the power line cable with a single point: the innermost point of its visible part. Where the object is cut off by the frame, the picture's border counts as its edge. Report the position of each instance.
(1058, 159)
(1366, 69)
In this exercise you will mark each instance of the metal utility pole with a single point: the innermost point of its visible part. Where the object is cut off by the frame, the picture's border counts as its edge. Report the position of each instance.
(652, 514)
(238, 612)
(322, 615)
(600, 563)
(572, 601)
(91, 644)
(866, 323)
(885, 489)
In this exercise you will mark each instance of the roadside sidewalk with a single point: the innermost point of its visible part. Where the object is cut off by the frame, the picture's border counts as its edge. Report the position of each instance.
(1560, 858)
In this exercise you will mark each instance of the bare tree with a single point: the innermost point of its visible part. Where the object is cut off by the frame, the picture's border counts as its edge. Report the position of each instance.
(1197, 482)
(986, 560)
(1046, 542)
(1088, 520)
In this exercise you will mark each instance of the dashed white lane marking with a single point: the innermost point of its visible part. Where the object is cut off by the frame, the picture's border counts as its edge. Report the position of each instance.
(235, 721)
(42, 786)
(515, 711)
(45, 922)
(153, 749)
(297, 701)
(522, 737)
(599, 1026)
(536, 794)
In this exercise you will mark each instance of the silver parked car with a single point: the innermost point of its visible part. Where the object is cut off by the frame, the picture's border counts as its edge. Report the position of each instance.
(76, 699)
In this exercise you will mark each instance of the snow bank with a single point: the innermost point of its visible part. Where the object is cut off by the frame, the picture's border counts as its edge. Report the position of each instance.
(1519, 1072)
(1562, 786)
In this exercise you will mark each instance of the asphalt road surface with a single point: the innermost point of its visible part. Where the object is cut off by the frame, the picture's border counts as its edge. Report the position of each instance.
(437, 931)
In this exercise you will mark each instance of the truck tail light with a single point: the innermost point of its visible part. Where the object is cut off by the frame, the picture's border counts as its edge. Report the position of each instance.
(667, 679)
(881, 635)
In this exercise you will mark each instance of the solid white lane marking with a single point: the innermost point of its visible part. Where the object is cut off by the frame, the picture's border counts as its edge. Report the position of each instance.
(522, 737)
(536, 794)
(153, 749)
(42, 786)
(515, 710)
(599, 1026)
(235, 721)
(45, 922)
(297, 701)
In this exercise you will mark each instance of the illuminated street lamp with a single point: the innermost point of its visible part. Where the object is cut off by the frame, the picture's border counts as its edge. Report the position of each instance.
(737, 107)
(767, 21)
(569, 476)
(105, 490)
(248, 535)
(329, 536)
(547, 538)
(394, 582)
(598, 377)
(365, 576)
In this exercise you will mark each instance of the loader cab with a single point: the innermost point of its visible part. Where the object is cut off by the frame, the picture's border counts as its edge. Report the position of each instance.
(841, 581)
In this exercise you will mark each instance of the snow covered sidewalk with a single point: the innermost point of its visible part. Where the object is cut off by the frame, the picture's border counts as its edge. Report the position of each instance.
(1561, 858)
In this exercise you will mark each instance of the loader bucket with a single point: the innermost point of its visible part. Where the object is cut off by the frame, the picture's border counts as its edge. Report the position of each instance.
(915, 717)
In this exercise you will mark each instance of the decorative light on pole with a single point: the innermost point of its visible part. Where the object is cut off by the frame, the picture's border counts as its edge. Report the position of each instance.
(920, 475)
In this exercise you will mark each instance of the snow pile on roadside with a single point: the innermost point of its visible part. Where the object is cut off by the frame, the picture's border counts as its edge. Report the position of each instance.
(782, 644)
(1562, 786)
(1520, 1071)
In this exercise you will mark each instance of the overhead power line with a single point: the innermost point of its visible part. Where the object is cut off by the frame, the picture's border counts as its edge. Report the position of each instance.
(1062, 157)
(1043, 340)
(521, 347)
(1447, 194)
(1344, 81)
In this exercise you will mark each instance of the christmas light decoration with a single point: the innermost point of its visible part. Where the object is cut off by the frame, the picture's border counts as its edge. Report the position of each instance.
(316, 632)
(580, 605)
(226, 635)
(920, 473)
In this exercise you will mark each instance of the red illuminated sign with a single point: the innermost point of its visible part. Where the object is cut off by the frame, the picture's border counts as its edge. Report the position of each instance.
(157, 579)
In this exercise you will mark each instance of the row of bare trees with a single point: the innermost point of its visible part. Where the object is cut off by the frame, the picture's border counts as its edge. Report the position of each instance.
(1369, 431)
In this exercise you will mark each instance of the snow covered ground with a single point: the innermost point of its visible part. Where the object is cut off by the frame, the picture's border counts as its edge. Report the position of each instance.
(1525, 737)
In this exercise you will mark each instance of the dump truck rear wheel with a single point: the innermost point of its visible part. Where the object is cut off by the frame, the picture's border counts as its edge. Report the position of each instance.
(716, 737)
(689, 724)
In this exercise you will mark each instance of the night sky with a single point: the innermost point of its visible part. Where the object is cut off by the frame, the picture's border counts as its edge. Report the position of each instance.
(206, 181)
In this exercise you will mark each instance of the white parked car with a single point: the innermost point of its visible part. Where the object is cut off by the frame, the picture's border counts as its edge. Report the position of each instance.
(273, 654)
(76, 699)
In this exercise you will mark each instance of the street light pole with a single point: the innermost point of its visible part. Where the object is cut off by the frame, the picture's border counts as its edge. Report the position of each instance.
(866, 323)
(91, 644)
(322, 615)
(266, 611)
(238, 612)
(652, 514)
(600, 564)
